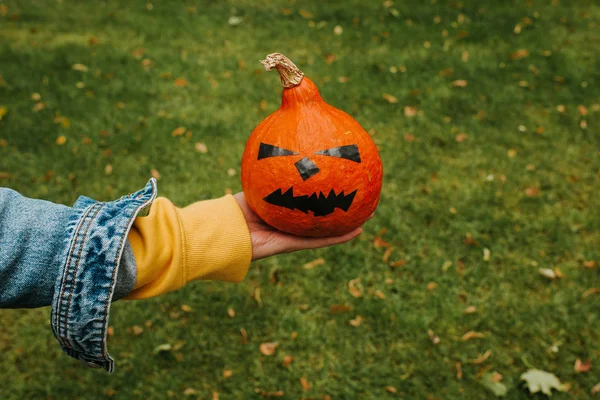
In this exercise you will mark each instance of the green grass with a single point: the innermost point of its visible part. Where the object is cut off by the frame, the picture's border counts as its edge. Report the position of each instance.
(122, 114)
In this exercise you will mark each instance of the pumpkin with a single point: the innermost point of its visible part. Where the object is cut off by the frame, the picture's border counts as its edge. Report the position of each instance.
(310, 169)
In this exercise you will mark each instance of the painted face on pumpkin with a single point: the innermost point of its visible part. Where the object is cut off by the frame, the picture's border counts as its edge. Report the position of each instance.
(319, 204)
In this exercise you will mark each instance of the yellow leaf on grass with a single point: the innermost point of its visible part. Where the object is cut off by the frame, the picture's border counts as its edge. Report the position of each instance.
(472, 335)
(186, 308)
(80, 67)
(231, 312)
(178, 131)
(305, 384)
(287, 360)
(519, 54)
(314, 263)
(227, 373)
(582, 110)
(155, 174)
(582, 366)
(181, 82)
(470, 310)
(590, 292)
(306, 14)
(355, 287)
(201, 148)
(431, 285)
(269, 348)
(3, 112)
(460, 83)
(356, 321)
(481, 358)
(461, 137)
(389, 98)
(61, 140)
(391, 389)
(410, 111)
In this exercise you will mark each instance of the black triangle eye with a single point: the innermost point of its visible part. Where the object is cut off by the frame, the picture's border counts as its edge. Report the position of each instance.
(268, 150)
(349, 152)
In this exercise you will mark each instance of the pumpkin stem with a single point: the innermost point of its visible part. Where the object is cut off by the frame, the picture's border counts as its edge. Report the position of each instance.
(288, 72)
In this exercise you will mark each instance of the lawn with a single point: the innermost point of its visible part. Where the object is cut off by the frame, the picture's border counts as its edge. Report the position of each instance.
(486, 115)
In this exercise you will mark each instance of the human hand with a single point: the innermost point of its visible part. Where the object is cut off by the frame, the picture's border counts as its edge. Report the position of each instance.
(268, 241)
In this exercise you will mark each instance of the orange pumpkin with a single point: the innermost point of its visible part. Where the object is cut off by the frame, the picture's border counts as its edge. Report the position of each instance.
(310, 169)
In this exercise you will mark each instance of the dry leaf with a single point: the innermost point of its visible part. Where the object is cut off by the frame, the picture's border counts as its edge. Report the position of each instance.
(532, 191)
(231, 172)
(201, 148)
(446, 266)
(306, 14)
(596, 389)
(287, 360)
(409, 137)
(379, 294)
(61, 140)
(386, 255)
(244, 336)
(305, 384)
(108, 169)
(391, 389)
(279, 393)
(519, 54)
(582, 110)
(339, 308)
(137, 330)
(181, 82)
(231, 312)
(472, 335)
(186, 308)
(227, 373)
(582, 366)
(155, 174)
(512, 153)
(80, 67)
(461, 137)
(410, 111)
(215, 396)
(379, 242)
(268, 349)
(589, 264)
(548, 273)
(338, 30)
(431, 285)
(433, 337)
(179, 131)
(398, 263)
(470, 310)
(63, 121)
(355, 287)
(446, 73)
(459, 372)
(39, 106)
(389, 98)
(460, 83)
(356, 321)
(590, 292)
(486, 254)
(110, 331)
(314, 263)
(481, 358)
(263, 105)
(3, 112)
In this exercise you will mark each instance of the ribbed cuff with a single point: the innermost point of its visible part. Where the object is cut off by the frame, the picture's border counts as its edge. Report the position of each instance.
(216, 240)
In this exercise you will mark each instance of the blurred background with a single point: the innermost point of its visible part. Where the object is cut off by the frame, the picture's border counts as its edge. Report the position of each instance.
(480, 264)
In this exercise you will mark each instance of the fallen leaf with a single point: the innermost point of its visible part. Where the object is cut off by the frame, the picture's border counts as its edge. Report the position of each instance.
(287, 360)
(215, 396)
(389, 98)
(179, 131)
(61, 140)
(460, 83)
(433, 337)
(138, 53)
(5, 175)
(79, 67)
(279, 393)
(155, 174)
(590, 292)
(542, 381)
(398, 263)
(305, 384)
(472, 335)
(244, 336)
(459, 372)
(464, 56)
(343, 79)
(470, 310)
(548, 273)
(162, 348)
(181, 82)
(491, 381)
(409, 137)
(108, 169)
(589, 264)
(512, 153)
(355, 287)
(410, 111)
(379, 242)
(137, 330)
(379, 294)
(596, 389)
(39, 106)
(110, 331)
(3, 112)
(227, 373)
(63, 121)
(582, 110)
(231, 172)
(432, 285)
(269, 348)
(519, 54)
(481, 358)
(231, 312)
(582, 366)
(186, 308)
(314, 263)
(391, 389)
(486, 254)
(339, 308)
(446, 266)
(201, 148)
(338, 30)
(190, 392)
(461, 137)
(532, 191)
(447, 72)
(386, 255)
(356, 321)
(306, 14)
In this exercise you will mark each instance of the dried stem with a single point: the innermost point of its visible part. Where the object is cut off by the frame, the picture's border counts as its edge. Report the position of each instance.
(288, 72)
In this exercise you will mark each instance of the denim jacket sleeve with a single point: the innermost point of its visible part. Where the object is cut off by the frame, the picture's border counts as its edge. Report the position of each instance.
(76, 259)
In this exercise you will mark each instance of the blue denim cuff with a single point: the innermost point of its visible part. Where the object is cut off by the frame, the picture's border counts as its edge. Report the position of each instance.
(96, 235)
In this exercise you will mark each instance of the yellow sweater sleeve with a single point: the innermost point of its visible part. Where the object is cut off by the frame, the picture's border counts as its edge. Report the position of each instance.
(173, 246)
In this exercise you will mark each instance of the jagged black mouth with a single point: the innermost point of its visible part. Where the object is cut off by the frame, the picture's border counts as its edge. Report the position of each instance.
(319, 204)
